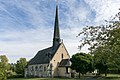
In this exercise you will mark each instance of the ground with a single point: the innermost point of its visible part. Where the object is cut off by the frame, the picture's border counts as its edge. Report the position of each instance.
(109, 77)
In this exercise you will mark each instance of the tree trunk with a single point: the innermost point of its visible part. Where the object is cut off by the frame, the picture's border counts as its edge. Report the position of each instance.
(99, 72)
(79, 74)
(82, 74)
(106, 72)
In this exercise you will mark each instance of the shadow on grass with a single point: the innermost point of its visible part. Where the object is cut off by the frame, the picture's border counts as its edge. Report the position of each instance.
(93, 77)
(111, 77)
(106, 78)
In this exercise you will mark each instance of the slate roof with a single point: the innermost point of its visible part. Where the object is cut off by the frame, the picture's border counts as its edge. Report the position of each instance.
(65, 63)
(43, 56)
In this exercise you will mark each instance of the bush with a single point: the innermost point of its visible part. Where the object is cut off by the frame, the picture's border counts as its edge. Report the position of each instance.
(16, 76)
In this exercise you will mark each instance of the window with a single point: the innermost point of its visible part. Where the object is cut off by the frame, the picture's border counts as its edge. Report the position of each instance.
(40, 67)
(36, 68)
(66, 69)
(62, 56)
(44, 68)
(58, 63)
(32, 69)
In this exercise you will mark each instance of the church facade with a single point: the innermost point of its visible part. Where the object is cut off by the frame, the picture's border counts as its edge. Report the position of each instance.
(53, 61)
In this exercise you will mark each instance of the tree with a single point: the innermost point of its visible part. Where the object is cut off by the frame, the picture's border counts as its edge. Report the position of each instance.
(104, 42)
(20, 65)
(102, 60)
(82, 63)
(12, 67)
(3, 67)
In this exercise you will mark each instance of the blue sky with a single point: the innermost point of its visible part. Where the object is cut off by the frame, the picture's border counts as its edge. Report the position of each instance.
(26, 26)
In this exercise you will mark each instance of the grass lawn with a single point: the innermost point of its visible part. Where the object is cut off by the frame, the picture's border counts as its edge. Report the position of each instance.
(109, 77)
(42, 79)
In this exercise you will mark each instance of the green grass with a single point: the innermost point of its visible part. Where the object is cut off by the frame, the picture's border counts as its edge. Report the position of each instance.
(109, 77)
(42, 79)
(112, 77)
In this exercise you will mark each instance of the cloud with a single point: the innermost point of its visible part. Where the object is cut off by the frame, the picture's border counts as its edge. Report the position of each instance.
(27, 26)
(77, 13)
(105, 9)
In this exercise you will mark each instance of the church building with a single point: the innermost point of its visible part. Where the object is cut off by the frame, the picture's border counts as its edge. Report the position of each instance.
(53, 61)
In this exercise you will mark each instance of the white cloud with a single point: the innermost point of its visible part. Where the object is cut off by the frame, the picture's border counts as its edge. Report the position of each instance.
(73, 16)
(105, 9)
(77, 13)
(21, 49)
(27, 43)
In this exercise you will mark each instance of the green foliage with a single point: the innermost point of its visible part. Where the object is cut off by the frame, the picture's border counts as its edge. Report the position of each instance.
(3, 67)
(12, 67)
(4, 61)
(102, 62)
(104, 44)
(82, 63)
(20, 65)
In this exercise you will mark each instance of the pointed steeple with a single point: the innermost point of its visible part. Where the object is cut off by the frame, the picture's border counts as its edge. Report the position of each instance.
(56, 37)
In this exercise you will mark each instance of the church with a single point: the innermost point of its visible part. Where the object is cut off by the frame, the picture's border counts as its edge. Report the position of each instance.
(53, 61)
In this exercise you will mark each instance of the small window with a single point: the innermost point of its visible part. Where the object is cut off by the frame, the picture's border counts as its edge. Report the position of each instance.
(51, 65)
(40, 67)
(58, 63)
(32, 69)
(36, 68)
(48, 65)
(44, 68)
(62, 56)
(66, 69)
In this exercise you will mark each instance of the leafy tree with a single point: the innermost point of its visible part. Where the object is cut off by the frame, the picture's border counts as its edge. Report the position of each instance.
(2, 72)
(13, 67)
(104, 42)
(20, 65)
(102, 62)
(82, 63)
(3, 67)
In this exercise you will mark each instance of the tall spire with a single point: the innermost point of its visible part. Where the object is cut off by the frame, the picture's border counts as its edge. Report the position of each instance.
(56, 37)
